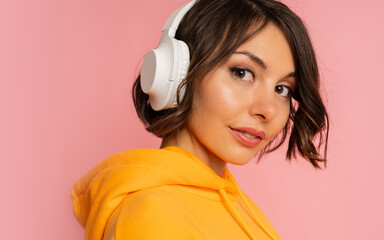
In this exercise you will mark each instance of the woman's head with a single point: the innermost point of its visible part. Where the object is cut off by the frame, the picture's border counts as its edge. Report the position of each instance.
(214, 30)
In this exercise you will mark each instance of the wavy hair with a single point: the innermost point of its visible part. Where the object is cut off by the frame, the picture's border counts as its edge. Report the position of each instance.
(213, 30)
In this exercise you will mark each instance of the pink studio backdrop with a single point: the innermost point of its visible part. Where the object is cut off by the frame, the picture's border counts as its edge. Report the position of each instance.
(66, 71)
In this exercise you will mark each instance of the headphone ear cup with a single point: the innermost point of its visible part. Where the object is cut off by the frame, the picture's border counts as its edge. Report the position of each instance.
(162, 72)
(155, 75)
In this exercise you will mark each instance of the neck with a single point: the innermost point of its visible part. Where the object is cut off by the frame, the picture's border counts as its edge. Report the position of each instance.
(190, 144)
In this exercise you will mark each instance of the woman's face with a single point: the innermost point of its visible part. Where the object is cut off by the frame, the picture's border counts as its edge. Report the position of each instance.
(243, 104)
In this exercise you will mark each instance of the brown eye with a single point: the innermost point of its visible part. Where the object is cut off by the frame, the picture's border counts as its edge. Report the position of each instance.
(283, 90)
(242, 73)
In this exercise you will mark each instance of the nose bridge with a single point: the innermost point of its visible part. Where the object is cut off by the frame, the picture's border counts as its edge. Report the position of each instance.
(264, 102)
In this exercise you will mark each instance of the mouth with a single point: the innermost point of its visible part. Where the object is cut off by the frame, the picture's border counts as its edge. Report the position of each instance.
(250, 132)
(250, 137)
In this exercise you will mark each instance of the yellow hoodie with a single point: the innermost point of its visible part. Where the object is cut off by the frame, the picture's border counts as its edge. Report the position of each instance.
(165, 193)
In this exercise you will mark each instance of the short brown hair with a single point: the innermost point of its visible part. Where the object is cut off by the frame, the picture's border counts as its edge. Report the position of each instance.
(213, 30)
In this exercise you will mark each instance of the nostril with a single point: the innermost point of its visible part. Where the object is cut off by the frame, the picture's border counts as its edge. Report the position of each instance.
(261, 116)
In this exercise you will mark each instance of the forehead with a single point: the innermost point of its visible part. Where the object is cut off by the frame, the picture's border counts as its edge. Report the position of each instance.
(272, 47)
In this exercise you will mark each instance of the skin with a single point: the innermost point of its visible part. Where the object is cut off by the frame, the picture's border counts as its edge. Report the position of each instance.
(252, 89)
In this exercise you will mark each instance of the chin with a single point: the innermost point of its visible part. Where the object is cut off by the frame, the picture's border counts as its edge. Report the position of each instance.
(244, 155)
(240, 159)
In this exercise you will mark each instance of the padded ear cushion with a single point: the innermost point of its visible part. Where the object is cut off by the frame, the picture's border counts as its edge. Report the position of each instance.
(183, 60)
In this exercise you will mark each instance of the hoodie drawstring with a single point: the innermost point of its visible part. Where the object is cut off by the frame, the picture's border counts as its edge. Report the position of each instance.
(223, 193)
(233, 210)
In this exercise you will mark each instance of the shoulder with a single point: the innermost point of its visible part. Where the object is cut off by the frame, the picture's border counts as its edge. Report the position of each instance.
(148, 214)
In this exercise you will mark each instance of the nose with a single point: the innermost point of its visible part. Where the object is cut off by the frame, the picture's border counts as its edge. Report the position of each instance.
(264, 104)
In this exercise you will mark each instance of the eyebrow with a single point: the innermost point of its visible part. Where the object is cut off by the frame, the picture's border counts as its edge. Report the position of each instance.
(255, 59)
(261, 63)
(292, 74)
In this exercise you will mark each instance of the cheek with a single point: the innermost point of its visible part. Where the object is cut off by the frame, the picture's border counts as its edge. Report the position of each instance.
(218, 101)
(281, 120)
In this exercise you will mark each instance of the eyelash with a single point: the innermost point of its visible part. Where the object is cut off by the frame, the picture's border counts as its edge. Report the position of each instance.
(235, 70)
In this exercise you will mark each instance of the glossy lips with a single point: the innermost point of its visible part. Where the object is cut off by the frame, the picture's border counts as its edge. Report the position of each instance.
(249, 137)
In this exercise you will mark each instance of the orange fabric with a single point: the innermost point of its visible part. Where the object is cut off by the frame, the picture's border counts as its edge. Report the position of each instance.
(164, 194)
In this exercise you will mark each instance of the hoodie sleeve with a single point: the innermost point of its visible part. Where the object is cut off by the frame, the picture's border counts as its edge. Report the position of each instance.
(148, 214)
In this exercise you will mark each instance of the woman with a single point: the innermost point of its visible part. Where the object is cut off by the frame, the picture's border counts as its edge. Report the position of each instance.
(243, 78)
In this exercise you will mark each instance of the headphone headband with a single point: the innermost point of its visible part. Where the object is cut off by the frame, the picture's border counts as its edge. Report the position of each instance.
(174, 20)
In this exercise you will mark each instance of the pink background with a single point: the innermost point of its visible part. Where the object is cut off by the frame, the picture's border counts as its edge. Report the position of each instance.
(66, 70)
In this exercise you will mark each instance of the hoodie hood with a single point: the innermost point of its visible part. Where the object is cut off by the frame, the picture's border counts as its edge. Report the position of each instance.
(100, 192)
(96, 195)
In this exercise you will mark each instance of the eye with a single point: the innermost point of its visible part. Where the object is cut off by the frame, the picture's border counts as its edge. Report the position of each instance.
(242, 73)
(284, 91)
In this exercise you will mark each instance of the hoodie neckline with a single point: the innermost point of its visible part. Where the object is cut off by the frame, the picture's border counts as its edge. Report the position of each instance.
(193, 157)
(234, 191)
(225, 181)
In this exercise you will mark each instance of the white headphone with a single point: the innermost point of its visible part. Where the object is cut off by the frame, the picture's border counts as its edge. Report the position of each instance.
(166, 66)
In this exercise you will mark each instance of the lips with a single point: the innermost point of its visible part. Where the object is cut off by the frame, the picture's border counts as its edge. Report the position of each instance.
(247, 136)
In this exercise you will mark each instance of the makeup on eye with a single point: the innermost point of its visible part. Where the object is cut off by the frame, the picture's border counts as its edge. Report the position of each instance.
(242, 73)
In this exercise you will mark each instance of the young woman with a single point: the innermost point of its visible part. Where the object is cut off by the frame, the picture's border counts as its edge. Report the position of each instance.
(238, 78)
